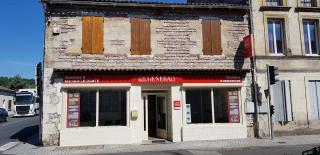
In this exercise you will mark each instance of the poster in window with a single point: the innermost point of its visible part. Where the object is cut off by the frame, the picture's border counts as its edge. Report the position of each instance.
(73, 109)
(234, 109)
(188, 111)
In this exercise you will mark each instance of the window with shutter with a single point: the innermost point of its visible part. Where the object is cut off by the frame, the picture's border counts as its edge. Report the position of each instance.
(211, 32)
(92, 35)
(140, 36)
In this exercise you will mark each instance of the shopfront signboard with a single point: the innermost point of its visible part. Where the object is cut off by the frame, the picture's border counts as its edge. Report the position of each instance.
(73, 109)
(152, 79)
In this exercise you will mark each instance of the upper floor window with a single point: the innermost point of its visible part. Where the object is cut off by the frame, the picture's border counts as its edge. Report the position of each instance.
(276, 36)
(140, 36)
(308, 3)
(311, 42)
(211, 32)
(92, 35)
(274, 2)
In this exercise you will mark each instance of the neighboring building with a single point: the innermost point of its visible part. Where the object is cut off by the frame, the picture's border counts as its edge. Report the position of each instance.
(7, 99)
(119, 72)
(286, 35)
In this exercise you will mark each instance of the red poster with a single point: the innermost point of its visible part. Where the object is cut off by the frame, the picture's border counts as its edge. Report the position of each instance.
(233, 106)
(177, 105)
(73, 109)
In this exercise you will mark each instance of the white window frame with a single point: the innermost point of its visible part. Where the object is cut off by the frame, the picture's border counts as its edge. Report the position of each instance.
(309, 38)
(307, 3)
(65, 96)
(276, 52)
(212, 106)
(274, 2)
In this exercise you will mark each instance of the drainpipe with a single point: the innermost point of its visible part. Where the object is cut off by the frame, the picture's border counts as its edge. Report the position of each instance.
(253, 75)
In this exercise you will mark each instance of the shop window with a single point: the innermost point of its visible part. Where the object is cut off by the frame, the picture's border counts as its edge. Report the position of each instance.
(276, 36)
(10, 105)
(311, 42)
(112, 107)
(225, 103)
(200, 106)
(221, 114)
(87, 108)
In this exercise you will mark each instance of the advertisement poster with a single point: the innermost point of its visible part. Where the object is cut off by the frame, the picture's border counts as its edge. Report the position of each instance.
(73, 109)
(233, 106)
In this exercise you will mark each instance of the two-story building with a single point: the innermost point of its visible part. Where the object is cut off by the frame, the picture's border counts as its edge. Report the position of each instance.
(286, 35)
(121, 72)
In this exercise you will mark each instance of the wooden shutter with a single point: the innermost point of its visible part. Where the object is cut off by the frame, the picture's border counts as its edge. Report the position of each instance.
(216, 37)
(86, 35)
(206, 34)
(145, 37)
(92, 35)
(135, 36)
(97, 35)
(211, 32)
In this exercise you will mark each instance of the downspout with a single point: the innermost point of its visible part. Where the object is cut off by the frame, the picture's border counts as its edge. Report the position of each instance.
(253, 75)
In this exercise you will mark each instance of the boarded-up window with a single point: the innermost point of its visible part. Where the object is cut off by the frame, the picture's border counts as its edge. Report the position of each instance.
(92, 35)
(140, 36)
(211, 32)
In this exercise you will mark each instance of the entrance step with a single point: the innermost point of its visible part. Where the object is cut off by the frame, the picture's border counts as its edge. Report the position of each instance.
(153, 140)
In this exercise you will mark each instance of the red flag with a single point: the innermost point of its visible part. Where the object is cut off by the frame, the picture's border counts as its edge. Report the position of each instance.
(247, 44)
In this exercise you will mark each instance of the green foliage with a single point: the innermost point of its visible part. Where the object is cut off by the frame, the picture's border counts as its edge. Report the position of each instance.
(17, 82)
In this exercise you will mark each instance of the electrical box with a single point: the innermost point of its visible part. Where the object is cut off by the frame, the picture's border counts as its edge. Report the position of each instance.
(263, 108)
(249, 107)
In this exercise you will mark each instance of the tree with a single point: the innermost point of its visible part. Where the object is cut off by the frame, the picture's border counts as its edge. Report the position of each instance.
(17, 83)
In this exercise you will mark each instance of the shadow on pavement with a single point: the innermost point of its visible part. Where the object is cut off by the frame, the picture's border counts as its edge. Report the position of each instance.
(26, 133)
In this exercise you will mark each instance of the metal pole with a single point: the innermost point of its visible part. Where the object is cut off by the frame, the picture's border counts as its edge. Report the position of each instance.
(269, 104)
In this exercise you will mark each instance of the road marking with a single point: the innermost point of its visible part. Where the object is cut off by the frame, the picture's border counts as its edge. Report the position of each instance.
(8, 146)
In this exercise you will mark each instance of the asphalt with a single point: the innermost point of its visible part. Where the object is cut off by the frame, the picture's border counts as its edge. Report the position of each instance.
(18, 129)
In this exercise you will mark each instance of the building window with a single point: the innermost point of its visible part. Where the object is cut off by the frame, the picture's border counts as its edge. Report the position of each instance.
(140, 36)
(211, 33)
(311, 42)
(276, 36)
(308, 3)
(92, 35)
(112, 107)
(274, 2)
(199, 106)
(82, 106)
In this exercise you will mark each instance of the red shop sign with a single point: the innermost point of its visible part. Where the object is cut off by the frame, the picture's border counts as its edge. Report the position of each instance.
(152, 79)
(176, 105)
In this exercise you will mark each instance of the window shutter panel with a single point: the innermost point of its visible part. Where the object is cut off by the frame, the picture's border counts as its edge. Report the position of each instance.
(135, 36)
(145, 37)
(277, 100)
(216, 37)
(206, 37)
(86, 35)
(97, 35)
(288, 102)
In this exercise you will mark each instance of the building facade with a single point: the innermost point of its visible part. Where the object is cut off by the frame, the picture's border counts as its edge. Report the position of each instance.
(7, 99)
(286, 35)
(122, 72)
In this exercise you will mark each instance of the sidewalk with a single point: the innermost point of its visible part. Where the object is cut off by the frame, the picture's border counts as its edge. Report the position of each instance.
(27, 148)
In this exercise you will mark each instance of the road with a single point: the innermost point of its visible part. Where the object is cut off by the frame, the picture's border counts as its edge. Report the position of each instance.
(18, 129)
(279, 150)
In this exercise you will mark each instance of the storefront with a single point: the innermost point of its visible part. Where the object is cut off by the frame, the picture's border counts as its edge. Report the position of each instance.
(126, 109)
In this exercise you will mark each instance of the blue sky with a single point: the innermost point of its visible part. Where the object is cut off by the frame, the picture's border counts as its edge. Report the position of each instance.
(21, 37)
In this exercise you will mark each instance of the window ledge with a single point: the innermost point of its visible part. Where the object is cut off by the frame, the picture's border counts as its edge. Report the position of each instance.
(275, 8)
(307, 9)
(312, 55)
(277, 55)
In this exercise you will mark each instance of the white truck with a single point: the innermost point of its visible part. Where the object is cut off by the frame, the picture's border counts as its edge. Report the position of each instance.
(27, 103)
